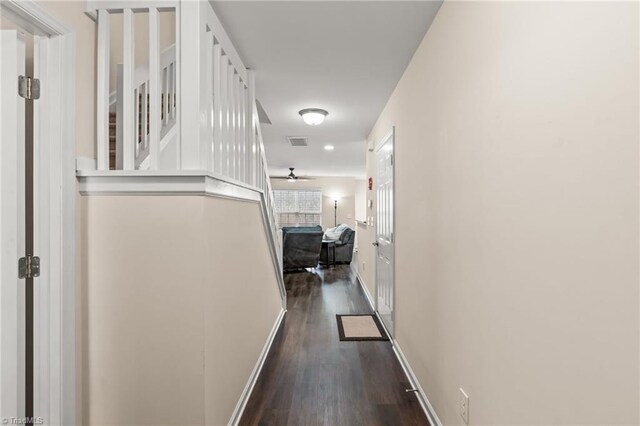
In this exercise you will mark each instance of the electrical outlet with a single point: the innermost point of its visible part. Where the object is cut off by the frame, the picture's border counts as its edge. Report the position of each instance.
(464, 406)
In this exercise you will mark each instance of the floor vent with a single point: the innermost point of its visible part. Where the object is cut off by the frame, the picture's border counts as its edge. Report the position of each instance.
(297, 141)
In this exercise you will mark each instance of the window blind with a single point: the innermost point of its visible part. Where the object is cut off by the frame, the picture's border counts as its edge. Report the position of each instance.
(298, 207)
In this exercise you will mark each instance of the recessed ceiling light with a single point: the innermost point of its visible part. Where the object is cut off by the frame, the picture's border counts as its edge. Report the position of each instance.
(313, 116)
(328, 147)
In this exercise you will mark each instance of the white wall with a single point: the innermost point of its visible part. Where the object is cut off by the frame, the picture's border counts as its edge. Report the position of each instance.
(342, 188)
(173, 320)
(517, 252)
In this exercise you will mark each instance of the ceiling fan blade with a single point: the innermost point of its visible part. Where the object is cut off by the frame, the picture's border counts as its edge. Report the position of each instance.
(291, 177)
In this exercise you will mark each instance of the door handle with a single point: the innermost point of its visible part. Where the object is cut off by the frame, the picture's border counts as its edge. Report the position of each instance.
(376, 244)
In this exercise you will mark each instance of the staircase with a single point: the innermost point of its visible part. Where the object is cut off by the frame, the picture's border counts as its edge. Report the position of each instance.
(142, 132)
(132, 153)
(143, 126)
(112, 141)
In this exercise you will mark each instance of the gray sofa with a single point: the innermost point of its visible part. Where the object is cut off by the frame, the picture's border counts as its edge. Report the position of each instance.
(301, 247)
(344, 247)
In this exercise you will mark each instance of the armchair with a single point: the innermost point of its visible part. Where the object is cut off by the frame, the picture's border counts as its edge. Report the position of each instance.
(301, 247)
(344, 244)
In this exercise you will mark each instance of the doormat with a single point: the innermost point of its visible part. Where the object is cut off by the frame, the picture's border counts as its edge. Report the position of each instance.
(360, 327)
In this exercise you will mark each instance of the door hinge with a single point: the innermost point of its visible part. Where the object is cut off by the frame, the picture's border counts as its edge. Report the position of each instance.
(28, 87)
(29, 267)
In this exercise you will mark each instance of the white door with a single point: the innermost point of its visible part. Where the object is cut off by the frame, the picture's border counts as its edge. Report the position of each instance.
(384, 231)
(12, 227)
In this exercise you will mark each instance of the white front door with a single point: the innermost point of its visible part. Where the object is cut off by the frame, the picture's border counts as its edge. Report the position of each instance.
(12, 227)
(384, 231)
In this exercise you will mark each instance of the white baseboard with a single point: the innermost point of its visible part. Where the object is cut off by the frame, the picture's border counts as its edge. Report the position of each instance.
(422, 396)
(246, 393)
(366, 291)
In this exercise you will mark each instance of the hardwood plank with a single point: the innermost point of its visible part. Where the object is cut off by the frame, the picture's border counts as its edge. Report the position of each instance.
(310, 377)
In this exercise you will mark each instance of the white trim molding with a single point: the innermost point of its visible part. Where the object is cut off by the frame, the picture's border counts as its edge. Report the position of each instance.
(31, 16)
(422, 396)
(404, 363)
(246, 393)
(12, 227)
(366, 291)
(160, 182)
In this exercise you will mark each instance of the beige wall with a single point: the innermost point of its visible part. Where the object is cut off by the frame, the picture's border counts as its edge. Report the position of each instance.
(174, 321)
(342, 188)
(364, 235)
(517, 212)
(361, 199)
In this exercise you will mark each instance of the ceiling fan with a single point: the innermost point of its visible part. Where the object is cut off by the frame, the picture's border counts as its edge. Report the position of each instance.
(291, 177)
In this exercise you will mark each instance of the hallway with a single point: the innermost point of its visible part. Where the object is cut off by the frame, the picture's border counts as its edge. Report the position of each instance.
(311, 378)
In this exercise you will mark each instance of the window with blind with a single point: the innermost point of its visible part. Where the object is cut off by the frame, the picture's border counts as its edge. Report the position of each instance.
(298, 207)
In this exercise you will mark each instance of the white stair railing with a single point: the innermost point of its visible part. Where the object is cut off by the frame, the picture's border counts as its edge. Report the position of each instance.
(265, 185)
(141, 124)
(202, 92)
(158, 82)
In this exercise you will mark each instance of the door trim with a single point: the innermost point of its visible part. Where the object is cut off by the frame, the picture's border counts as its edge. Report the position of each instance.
(390, 135)
(54, 213)
(12, 227)
(33, 17)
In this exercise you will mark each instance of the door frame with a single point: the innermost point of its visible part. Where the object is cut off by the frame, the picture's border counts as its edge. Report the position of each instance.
(389, 136)
(54, 211)
(12, 226)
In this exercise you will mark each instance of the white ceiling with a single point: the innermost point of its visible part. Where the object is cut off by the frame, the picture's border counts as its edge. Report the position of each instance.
(342, 56)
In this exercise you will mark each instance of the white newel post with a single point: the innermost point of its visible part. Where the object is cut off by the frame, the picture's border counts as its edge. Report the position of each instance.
(188, 35)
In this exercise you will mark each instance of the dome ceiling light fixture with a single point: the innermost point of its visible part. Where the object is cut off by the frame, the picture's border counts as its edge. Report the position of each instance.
(313, 116)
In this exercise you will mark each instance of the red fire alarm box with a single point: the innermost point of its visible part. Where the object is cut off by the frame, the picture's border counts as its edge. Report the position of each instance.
(370, 184)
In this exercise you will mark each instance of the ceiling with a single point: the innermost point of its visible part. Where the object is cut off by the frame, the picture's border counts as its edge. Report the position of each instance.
(342, 56)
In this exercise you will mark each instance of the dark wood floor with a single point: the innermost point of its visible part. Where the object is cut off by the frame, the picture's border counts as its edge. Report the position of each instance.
(311, 378)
